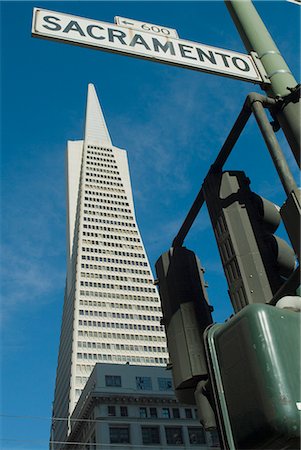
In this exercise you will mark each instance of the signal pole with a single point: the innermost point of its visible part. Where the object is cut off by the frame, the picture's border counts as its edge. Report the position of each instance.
(256, 38)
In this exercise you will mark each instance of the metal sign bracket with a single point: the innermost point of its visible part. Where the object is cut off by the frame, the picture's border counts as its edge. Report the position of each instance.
(261, 69)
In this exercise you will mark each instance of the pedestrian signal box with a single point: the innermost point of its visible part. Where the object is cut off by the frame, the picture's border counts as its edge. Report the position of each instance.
(254, 366)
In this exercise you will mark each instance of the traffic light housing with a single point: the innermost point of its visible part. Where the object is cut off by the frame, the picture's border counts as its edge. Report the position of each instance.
(186, 314)
(256, 263)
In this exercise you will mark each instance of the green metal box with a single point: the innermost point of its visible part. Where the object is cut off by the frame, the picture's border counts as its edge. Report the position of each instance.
(255, 369)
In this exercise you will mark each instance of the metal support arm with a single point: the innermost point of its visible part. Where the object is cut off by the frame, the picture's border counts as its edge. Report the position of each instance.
(254, 103)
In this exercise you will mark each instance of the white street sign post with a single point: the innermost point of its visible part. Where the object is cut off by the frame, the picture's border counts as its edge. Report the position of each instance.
(143, 44)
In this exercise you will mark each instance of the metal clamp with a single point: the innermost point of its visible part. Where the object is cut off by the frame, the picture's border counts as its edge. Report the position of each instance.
(276, 72)
(292, 97)
(269, 52)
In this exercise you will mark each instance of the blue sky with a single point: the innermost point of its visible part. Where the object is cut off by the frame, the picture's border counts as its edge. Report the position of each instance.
(172, 122)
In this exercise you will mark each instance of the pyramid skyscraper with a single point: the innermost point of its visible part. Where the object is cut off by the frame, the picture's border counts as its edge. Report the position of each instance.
(111, 308)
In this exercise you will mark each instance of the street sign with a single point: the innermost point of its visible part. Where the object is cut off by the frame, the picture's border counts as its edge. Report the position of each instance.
(147, 27)
(113, 38)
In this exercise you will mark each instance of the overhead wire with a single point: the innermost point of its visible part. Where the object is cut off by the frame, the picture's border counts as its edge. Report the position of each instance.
(40, 442)
(53, 419)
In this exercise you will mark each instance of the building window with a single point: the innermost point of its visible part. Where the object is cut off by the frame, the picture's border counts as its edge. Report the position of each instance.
(124, 411)
(142, 412)
(144, 383)
(165, 384)
(150, 435)
(165, 413)
(214, 439)
(176, 413)
(196, 435)
(93, 442)
(111, 411)
(113, 380)
(153, 413)
(120, 435)
(174, 435)
(188, 413)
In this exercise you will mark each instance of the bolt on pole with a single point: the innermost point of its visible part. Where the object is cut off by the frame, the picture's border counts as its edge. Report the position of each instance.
(256, 38)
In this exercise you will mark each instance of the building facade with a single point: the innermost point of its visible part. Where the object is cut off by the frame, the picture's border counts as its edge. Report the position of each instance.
(111, 310)
(133, 409)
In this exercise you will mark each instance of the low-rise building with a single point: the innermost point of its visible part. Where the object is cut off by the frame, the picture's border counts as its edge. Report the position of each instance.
(134, 407)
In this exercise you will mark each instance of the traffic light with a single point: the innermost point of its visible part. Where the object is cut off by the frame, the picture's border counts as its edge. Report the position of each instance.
(186, 314)
(256, 263)
(290, 213)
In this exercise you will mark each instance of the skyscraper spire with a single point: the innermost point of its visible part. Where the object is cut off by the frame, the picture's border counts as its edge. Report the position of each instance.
(95, 126)
(111, 308)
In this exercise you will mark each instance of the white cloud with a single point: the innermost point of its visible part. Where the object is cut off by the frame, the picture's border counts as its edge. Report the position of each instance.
(32, 257)
(182, 136)
(27, 280)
